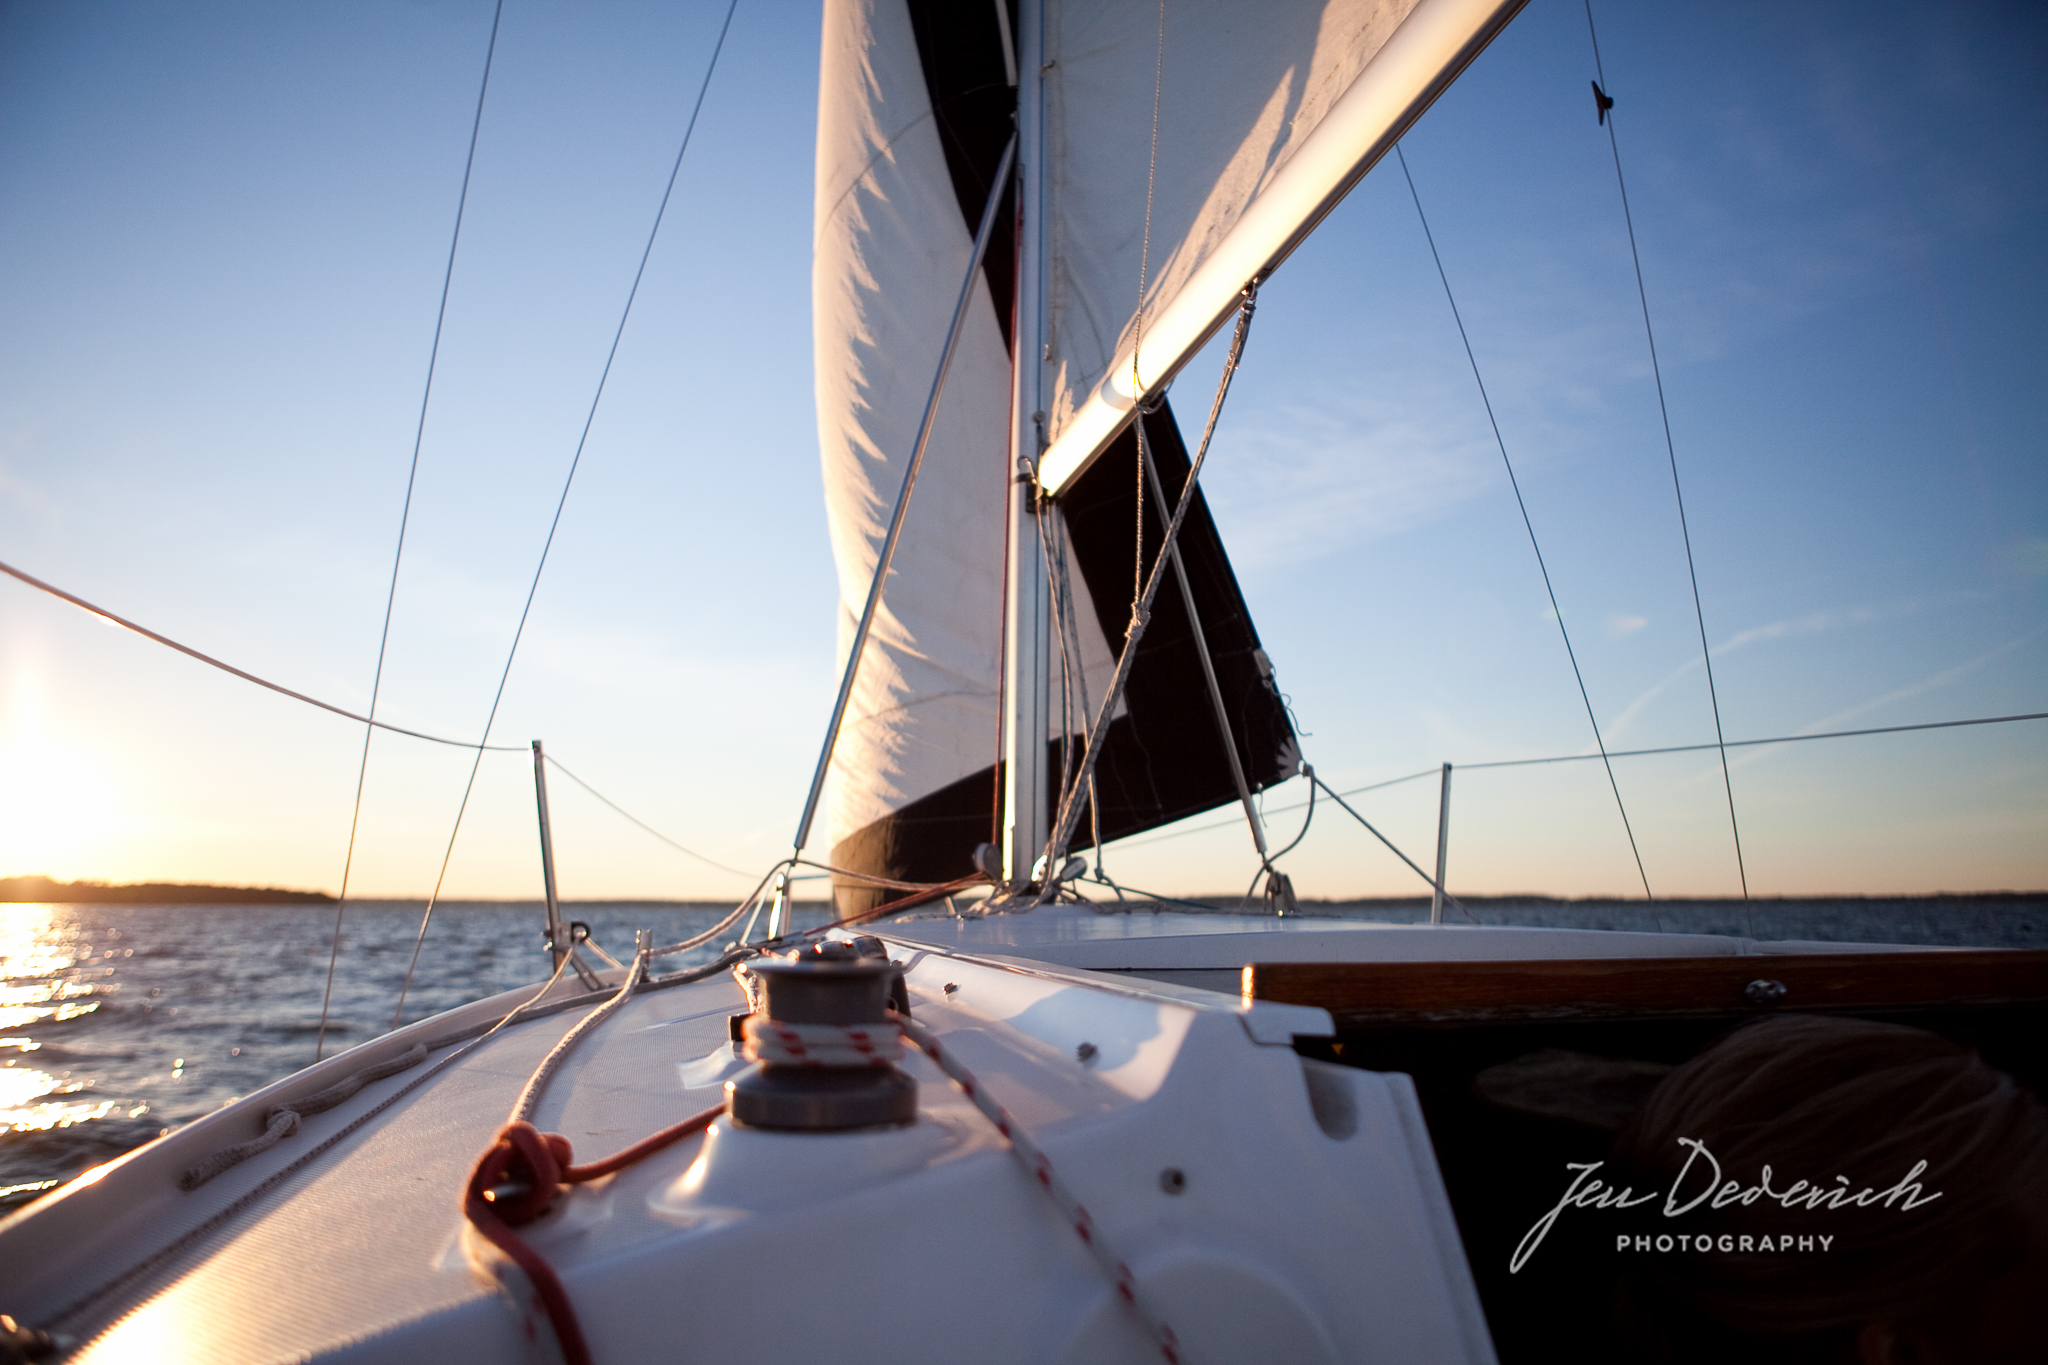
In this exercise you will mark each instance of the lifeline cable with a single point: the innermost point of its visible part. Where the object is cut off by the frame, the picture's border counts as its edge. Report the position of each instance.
(556, 765)
(1605, 104)
(1527, 524)
(404, 519)
(1617, 753)
(146, 633)
(576, 460)
(1438, 886)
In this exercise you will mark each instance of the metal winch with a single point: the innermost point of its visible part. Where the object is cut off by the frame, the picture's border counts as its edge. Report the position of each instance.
(824, 1044)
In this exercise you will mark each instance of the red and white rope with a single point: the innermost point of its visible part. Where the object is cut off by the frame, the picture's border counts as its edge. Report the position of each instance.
(849, 1045)
(1039, 1168)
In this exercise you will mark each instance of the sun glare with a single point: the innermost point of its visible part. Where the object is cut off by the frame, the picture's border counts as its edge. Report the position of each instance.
(59, 805)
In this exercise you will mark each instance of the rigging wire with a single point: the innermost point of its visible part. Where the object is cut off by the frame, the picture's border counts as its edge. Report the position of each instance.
(1141, 610)
(1527, 524)
(1605, 105)
(146, 633)
(1231, 823)
(1318, 782)
(1215, 690)
(712, 862)
(1144, 273)
(617, 335)
(894, 535)
(404, 519)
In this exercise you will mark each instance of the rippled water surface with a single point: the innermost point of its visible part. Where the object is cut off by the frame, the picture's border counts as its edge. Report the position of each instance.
(118, 1022)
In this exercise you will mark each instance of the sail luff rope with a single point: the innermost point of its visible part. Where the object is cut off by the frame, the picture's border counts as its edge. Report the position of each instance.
(1059, 594)
(896, 520)
(1141, 610)
(1606, 106)
(404, 519)
(561, 502)
(1138, 322)
(1527, 524)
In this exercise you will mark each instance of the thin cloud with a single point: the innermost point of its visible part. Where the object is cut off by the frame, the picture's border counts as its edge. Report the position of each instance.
(1792, 627)
(1846, 719)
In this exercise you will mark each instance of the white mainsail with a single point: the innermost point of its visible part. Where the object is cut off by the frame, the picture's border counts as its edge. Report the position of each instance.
(1266, 114)
(892, 244)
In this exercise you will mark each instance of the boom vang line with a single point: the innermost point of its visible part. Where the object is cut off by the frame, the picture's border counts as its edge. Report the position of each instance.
(404, 520)
(568, 481)
(1604, 104)
(1527, 524)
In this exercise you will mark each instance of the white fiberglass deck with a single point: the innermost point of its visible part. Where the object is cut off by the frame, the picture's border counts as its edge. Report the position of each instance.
(1312, 1221)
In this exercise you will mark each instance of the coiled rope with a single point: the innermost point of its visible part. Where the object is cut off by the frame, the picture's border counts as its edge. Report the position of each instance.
(523, 1171)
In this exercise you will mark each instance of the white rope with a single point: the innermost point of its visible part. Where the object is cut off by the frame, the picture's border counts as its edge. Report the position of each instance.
(529, 1098)
(812, 1045)
(282, 1120)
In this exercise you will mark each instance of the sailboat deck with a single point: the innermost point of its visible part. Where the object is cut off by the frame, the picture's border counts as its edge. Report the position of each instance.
(345, 1241)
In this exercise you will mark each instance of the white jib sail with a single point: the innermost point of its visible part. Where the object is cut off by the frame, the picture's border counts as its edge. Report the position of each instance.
(1267, 114)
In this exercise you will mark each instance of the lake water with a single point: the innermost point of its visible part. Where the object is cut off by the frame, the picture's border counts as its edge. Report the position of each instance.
(118, 1022)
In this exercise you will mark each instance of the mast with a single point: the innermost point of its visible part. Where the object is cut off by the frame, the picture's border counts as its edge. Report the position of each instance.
(1026, 624)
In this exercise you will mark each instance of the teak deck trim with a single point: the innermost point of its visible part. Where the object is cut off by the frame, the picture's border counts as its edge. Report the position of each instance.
(1446, 992)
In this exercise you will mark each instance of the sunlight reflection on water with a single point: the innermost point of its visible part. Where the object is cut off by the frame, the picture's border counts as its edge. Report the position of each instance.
(119, 1022)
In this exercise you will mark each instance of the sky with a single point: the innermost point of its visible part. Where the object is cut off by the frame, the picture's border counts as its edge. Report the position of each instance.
(223, 229)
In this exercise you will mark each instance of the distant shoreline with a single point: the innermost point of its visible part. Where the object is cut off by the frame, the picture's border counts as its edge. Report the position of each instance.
(1228, 902)
(17, 890)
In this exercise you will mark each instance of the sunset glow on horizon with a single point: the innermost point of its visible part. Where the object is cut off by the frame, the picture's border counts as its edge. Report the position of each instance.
(224, 227)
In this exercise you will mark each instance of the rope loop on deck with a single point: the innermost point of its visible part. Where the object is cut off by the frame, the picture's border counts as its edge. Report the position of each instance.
(280, 1121)
(518, 1179)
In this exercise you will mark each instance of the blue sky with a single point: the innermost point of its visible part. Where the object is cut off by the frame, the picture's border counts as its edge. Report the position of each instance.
(222, 231)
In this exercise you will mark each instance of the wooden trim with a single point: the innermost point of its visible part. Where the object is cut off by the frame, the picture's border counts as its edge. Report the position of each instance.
(1359, 993)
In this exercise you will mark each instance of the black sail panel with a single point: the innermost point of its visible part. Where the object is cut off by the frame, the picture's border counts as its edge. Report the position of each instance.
(1164, 760)
(917, 762)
